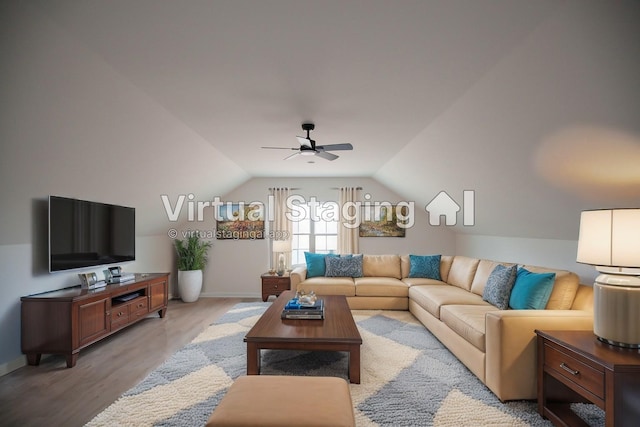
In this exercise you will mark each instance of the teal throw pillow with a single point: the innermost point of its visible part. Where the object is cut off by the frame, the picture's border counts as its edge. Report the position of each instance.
(531, 290)
(316, 265)
(427, 266)
(497, 291)
(344, 266)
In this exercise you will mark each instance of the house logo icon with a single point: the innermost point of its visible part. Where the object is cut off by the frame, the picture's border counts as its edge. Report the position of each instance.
(444, 205)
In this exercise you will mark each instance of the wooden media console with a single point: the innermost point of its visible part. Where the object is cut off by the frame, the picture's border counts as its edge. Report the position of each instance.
(66, 320)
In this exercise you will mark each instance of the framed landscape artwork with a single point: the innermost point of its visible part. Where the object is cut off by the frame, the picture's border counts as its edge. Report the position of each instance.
(239, 221)
(382, 221)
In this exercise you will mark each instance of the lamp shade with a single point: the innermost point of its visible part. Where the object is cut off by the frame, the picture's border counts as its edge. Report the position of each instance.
(281, 245)
(610, 240)
(610, 237)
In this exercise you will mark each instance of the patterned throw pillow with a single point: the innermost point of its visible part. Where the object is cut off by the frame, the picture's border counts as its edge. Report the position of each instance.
(427, 266)
(344, 266)
(531, 290)
(497, 291)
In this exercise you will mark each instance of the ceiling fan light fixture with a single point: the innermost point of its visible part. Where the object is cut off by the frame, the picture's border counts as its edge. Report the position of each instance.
(309, 148)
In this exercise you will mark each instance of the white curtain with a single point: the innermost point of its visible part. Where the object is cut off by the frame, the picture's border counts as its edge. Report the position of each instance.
(280, 226)
(348, 236)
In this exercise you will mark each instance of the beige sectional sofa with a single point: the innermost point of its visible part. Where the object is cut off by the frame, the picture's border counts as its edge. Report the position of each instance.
(498, 346)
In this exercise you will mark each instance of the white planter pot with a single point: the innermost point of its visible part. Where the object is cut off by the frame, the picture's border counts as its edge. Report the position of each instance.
(190, 285)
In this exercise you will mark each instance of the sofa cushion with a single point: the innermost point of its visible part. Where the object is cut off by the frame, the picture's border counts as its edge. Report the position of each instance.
(531, 291)
(427, 266)
(499, 284)
(329, 286)
(405, 265)
(381, 266)
(445, 267)
(564, 290)
(381, 287)
(417, 281)
(485, 268)
(468, 321)
(344, 266)
(462, 271)
(316, 265)
(432, 297)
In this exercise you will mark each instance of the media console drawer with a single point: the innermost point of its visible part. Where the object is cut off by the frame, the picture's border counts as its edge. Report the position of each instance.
(139, 307)
(119, 315)
(66, 320)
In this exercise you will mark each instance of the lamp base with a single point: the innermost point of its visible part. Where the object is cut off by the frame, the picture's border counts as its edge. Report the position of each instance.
(616, 310)
(281, 265)
(618, 344)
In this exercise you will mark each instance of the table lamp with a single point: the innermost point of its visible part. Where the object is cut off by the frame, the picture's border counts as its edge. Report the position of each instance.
(610, 240)
(281, 247)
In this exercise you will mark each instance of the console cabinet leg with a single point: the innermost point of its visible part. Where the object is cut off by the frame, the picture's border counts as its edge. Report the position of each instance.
(34, 358)
(72, 359)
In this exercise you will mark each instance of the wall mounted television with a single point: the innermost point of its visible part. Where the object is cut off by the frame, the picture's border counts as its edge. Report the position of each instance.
(86, 234)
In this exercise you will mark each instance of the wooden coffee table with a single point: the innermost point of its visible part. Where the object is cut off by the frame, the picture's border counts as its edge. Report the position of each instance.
(337, 332)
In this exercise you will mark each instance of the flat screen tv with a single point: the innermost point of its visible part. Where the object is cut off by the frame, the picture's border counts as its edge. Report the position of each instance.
(86, 234)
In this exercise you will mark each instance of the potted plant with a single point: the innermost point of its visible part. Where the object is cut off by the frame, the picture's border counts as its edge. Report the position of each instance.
(192, 257)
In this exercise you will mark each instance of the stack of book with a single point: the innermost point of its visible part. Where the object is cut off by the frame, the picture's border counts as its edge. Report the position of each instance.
(295, 310)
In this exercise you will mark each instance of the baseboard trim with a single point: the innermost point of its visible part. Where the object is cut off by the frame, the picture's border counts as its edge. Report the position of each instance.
(229, 295)
(12, 365)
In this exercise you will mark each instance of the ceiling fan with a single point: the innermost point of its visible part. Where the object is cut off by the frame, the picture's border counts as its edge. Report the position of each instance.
(308, 146)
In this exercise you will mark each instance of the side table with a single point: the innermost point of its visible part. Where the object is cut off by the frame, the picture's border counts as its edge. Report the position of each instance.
(574, 366)
(274, 285)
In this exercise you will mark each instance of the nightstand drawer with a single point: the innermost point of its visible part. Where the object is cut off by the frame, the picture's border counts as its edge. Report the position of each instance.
(581, 374)
(276, 284)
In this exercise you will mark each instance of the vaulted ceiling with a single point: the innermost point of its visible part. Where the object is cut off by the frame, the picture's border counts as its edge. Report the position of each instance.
(533, 105)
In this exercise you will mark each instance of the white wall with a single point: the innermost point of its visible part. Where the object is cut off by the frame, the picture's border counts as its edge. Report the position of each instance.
(23, 274)
(235, 265)
(560, 254)
(72, 126)
(579, 68)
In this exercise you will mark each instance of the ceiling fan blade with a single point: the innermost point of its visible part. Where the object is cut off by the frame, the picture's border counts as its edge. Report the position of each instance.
(325, 155)
(292, 156)
(335, 147)
(279, 148)
(304, 141)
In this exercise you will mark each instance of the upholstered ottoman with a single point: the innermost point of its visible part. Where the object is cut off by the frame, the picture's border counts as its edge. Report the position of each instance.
(279, 401)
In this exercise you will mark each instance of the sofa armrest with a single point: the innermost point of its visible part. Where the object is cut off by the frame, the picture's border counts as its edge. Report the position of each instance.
(511, 347)
(297, 275)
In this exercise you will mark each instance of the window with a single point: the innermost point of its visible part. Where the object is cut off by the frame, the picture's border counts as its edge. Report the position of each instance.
(312, 236)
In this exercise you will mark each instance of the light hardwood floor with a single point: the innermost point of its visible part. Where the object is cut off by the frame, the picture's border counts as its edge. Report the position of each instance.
(52, 395)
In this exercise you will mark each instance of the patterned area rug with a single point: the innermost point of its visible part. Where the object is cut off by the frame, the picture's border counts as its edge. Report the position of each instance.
(408, 378)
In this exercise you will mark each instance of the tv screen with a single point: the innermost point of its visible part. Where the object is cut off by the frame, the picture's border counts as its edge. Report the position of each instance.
(86, 234)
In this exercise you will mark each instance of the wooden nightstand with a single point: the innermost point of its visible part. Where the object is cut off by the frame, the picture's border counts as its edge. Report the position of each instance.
(574, 366)
(274, 285)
